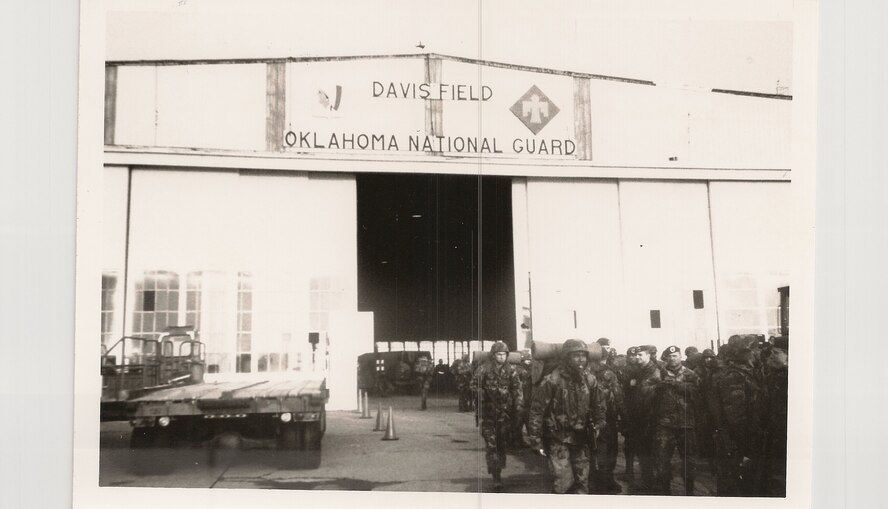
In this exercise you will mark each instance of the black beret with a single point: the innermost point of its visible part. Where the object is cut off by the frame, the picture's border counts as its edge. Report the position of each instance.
(669, 351)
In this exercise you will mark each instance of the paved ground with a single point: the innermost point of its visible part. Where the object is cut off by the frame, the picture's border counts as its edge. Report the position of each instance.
(437, 450)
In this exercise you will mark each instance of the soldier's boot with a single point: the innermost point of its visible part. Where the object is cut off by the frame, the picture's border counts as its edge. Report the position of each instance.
(610, 484)
(497, 481)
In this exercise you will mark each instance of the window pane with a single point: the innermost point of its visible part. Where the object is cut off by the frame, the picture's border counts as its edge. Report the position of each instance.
(161, 322)
(243, 363)
(148, 297)
(162, 301)
(147, 322)
(274, 362)
(698, 299)
(244, 342)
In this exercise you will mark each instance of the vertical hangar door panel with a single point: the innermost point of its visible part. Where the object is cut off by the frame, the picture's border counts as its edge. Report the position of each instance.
(114, 196)
(254, 244)
(750, 222)
(667, 255)
(574, 259)
(520, 247)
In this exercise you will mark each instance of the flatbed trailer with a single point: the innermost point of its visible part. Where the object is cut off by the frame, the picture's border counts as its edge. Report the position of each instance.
(166, 400)
(282, 414)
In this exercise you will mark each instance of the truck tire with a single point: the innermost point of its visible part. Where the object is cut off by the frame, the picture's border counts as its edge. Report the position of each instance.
(142, 438)
(148, 437)
(289, 438)
(149, 453)
(311, 444)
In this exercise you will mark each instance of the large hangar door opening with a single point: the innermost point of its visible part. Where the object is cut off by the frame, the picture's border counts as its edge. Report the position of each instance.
(435, 257)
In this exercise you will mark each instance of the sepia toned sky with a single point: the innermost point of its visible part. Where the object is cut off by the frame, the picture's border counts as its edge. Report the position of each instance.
(742, 45)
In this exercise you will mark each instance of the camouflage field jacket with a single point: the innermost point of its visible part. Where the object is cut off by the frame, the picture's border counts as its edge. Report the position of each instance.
(676, 398)
(611, 390)
(564, 406)
(639, 392)
(736, 407)
(499, 391)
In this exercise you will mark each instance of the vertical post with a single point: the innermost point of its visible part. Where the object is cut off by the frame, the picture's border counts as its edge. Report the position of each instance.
(434, 108)
(110, 103)
(275, 105)
(714, 271)
(530, 309)
(583, 118)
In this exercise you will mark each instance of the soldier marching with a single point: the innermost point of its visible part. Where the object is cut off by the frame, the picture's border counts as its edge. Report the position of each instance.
(724, 412)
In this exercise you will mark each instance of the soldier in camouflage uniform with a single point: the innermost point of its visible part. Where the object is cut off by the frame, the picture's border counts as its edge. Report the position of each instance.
(462, 373)
(630, 442)
(500, 401)
(612, 392)
(424, 373)
(568, 410)
(638, 427)
(676, 397)
(706, 371)
(777, 383)
(735, 405)
(524, 370)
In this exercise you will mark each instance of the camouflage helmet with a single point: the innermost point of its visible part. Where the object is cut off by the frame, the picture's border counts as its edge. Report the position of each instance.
(574, 345)
(499, 346)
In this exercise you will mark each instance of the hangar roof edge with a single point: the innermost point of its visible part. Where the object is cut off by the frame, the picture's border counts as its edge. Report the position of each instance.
(488, 63)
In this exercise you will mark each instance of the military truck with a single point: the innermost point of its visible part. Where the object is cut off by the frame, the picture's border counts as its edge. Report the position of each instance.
(158, 386)
(386, 373)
